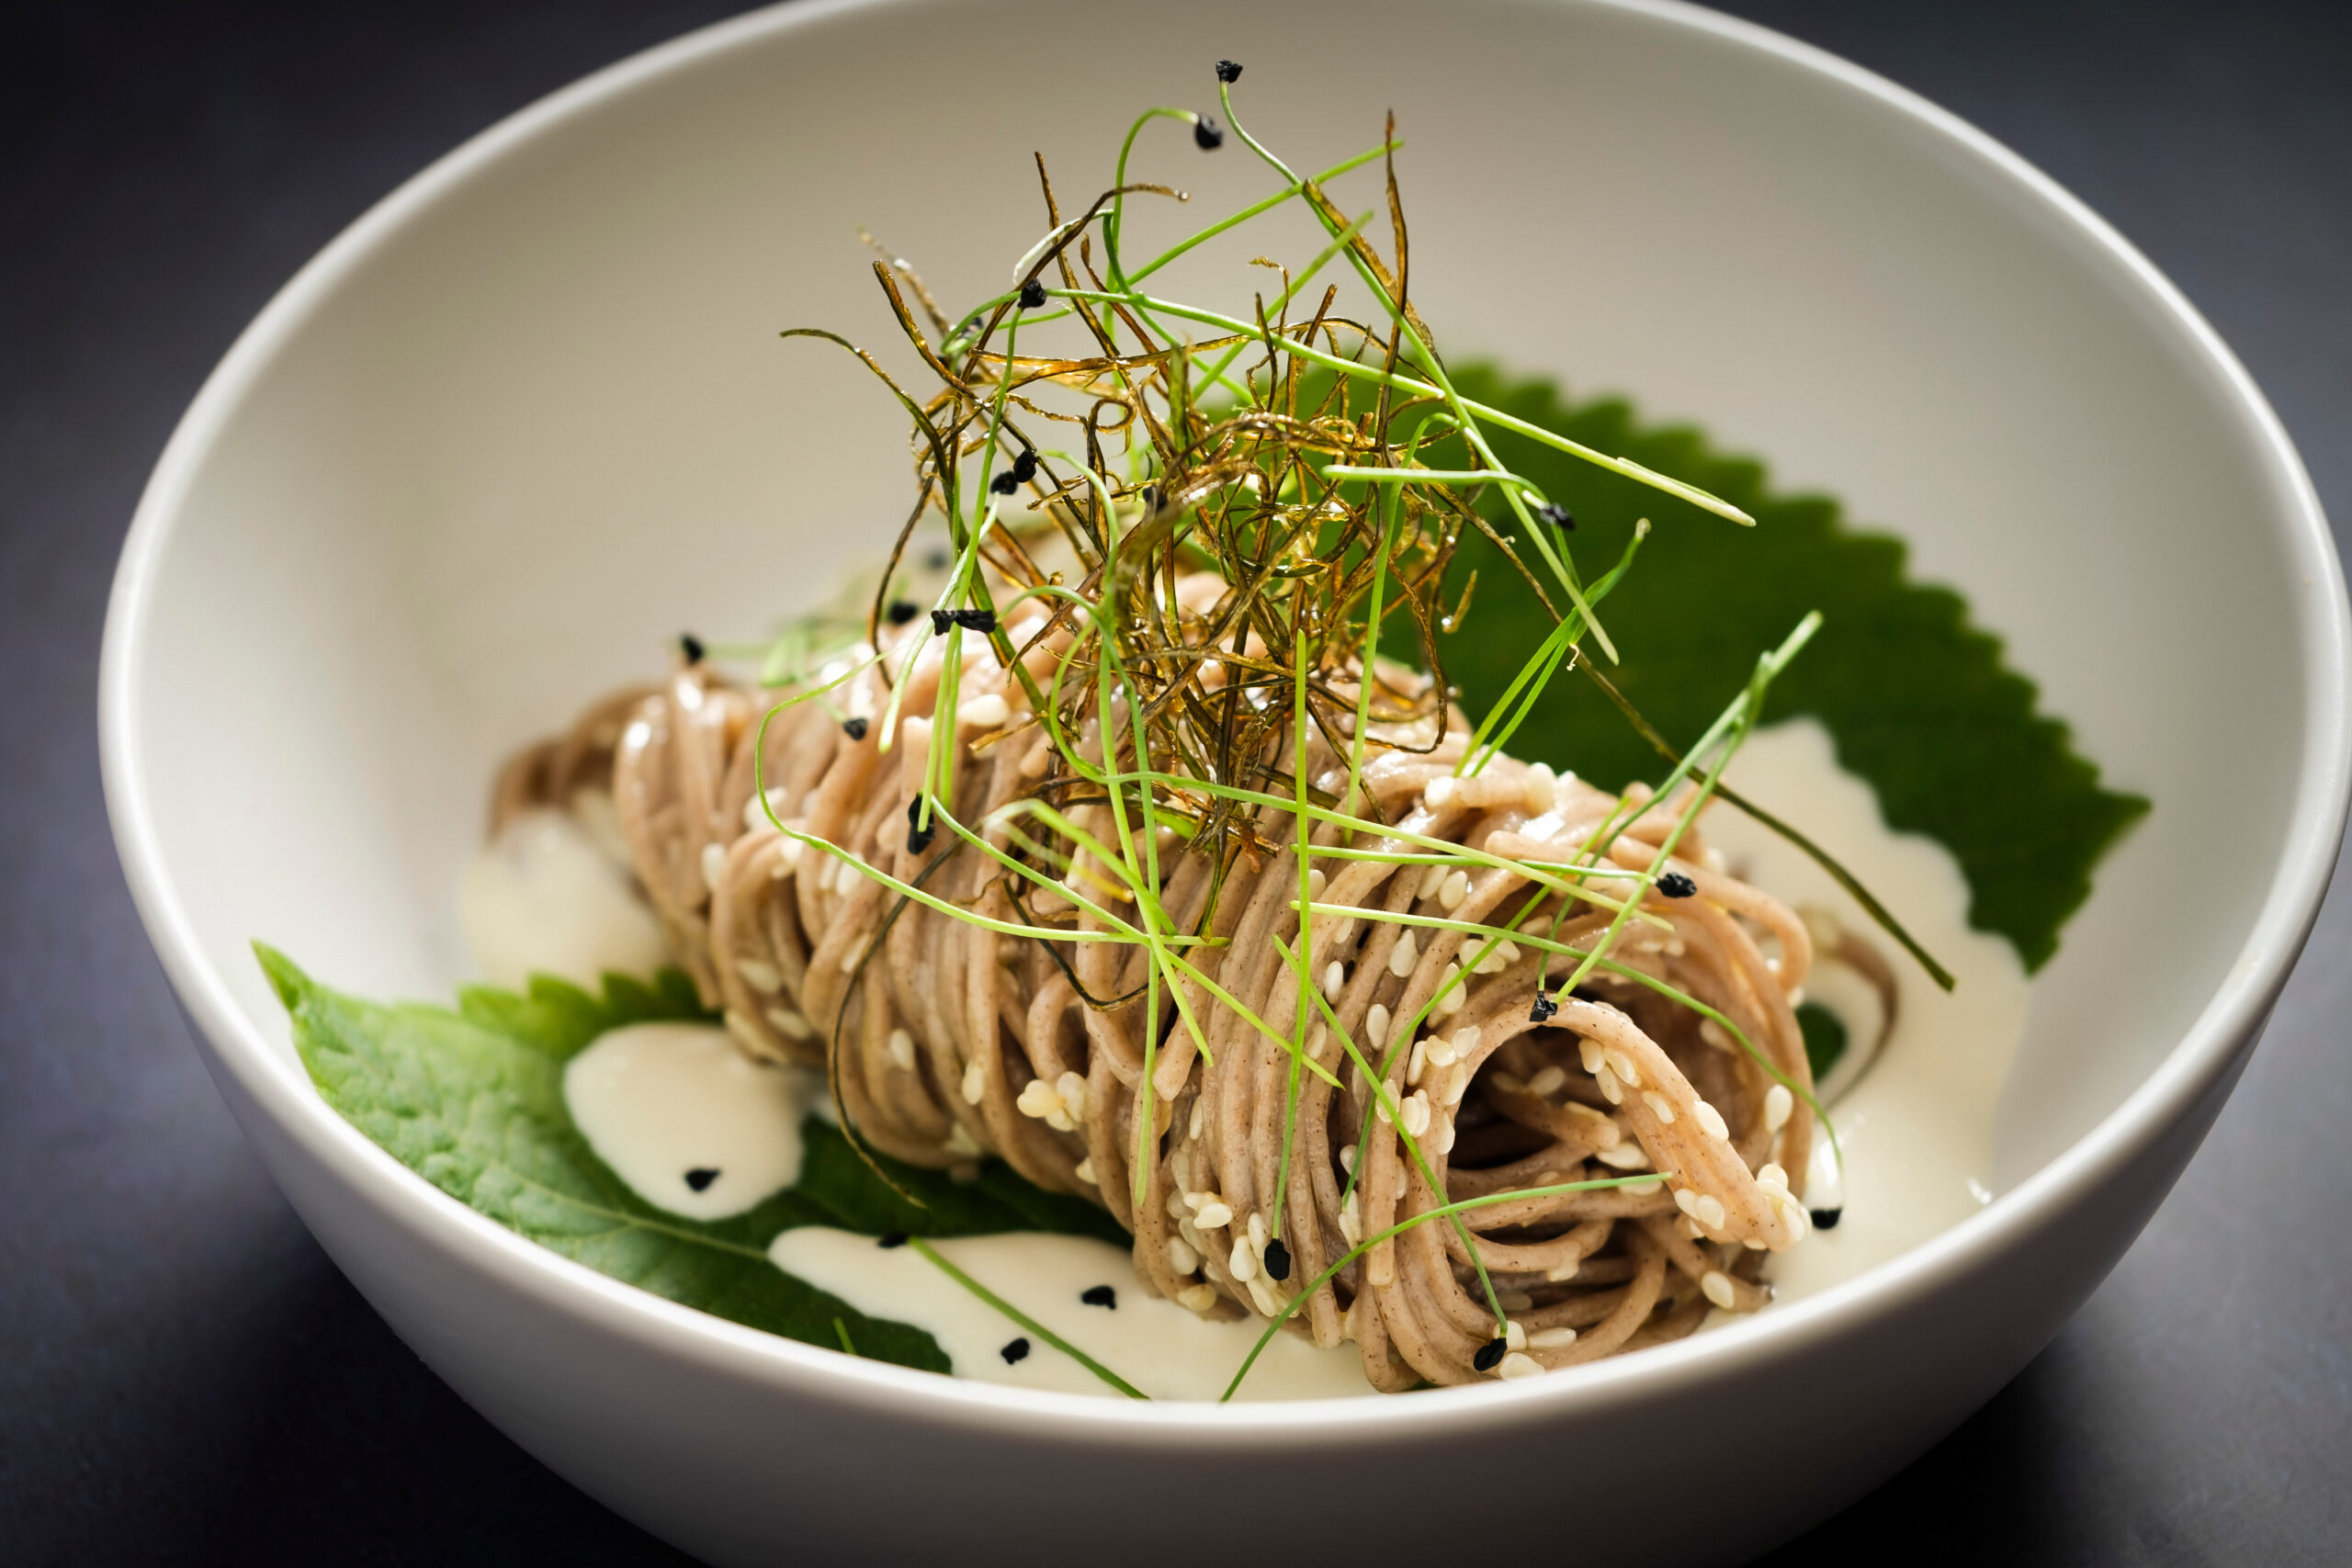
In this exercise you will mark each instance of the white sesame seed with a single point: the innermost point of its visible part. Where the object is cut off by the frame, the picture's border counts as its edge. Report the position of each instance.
(1753, 1244)
(1626, 1155)
(988, 711)
(713, 865)
(1441, 1050)
(1542, 790)
(1611, 1091)
(1778, 1104)
(1033, 763)
(1457, 1082)
(1181, 1259)
(1693, 1228)
(1660, 1107)
(759, 977)
(1623, 1065)
(1506, 1082)
(1348, 1158)
(1716, 1286)
(1641, 1188)
(1085, 1171)
(1686, 1200)
(1713, 1033)
(741, 1029)
(1449, 1002)
(976, 1083)
(1514, 1334)
(1263, 1295)
(1416, 1110)
(1197, 1298)
(788, 854)
(1796, 997)
(901, 1048)
(1243, 1261)
(789, 1024)
(1445, 1139)
(1350, 1221)
(1335, 980)
(1438, 791)
(1380, 1109)
(1465, 1040)
(1519, 1364)
(1710, 1211)
(1381, 1272)
(1401, 956)
(1213, 1214)
(1454, 890)
(1432, 878)
(1548, 1082)
(1590, 1050)
(1514, 1300)
(1770, 1176)
(1315, 882)
(1259, 1231)
(1505, 954)
(1551, 1338)
(1560, 1273)
(1417, 1062)
(1038, 1099)
(1376, 1025)
(961, 1142)
(1710, 1118)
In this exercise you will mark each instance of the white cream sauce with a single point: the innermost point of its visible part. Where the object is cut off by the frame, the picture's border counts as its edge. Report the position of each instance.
(544, 897)
(1155, 1345)
(1917, 1126)
(686, 1119)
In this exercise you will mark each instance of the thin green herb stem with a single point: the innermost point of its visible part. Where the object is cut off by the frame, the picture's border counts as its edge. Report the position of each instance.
(1025, 1320)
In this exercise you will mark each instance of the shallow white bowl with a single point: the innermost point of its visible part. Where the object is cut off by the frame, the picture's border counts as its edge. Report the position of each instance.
(529, 417)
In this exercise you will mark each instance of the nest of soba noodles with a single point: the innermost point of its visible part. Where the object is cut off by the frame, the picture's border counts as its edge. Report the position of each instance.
(946, 1040)
(1019, 869)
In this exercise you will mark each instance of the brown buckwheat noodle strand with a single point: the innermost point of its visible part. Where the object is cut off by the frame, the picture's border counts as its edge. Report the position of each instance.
(947, 1040)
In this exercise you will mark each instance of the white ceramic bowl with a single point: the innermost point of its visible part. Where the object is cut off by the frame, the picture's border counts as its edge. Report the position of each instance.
(469, 467)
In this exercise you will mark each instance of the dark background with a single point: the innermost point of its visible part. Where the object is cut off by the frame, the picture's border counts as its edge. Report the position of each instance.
(185, 1377)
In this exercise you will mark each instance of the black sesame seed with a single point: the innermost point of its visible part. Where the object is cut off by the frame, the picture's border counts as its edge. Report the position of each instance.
(918, 832)
(1674, 884)
(691, 646)
(1542, 1011)
(1826, 1219)
(1556, 516)
(701, 1176)
(1207, 134)
(1024, 467)
(1229, 71)
(854, 728)
(936, 560)
(940, 621)
(893, 1238)
(901, 611)
(1100, 1296)
(1004, 483)
(1033, 295)
(1491, 1354)
(1016, 1350)
(982, 621)
(1277, 1259)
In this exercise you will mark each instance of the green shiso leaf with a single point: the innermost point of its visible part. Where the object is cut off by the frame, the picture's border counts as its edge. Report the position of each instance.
(472, 1100)
(1825, 1038)
(1917, 699)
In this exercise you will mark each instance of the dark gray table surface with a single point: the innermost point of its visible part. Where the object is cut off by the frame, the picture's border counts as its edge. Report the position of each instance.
(184, 1376)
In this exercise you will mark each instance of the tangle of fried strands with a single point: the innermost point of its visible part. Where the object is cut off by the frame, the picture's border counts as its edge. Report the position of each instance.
(948, 1040)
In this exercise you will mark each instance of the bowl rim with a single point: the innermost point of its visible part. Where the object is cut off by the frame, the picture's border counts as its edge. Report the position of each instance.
(2204, 1056)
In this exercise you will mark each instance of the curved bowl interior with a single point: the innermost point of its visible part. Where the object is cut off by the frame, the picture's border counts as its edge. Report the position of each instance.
(532, 418)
